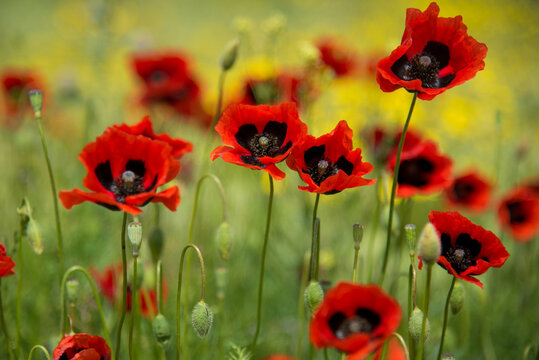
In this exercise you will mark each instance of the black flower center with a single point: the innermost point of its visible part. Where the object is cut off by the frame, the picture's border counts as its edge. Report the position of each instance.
(463, 191)
(269, 142)
(363, 321)
(415, 172)
(425, 66)
(517, 213)
(463, 254)
(158, 77)
(320, 168)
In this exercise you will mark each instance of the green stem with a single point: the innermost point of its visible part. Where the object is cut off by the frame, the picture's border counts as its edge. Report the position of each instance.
(19, 290)
(133, 306)
(55, 201)
(43, 350)
(326, 354)
(425, 314)
(179, 293)
(403, 344)
(124, 291)
(96, 297)
(4, 327)
(220, 85)
(374, 227)
(314, 248)
(159, 285)
(301, 307)
(262, 263)
(354, 271)
(446, 315)
(394, 188)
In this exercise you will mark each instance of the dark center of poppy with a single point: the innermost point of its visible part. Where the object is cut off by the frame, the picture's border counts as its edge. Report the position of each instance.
(463, 191)
(517, 213)
(320, 168)
(127, 184)
(463, 254)
(263, 145)
(269, 142)
(363, 321)
(415, 172)
(423, 66)
(157, 77)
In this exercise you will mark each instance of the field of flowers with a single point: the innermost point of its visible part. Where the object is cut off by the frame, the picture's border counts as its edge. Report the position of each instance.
(271, 180)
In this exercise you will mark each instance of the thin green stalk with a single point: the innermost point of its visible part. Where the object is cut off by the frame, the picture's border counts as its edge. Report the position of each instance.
(326, 354)
(354, 271)
(411, 302)
(220, 86)
(425, 313)
(43, 350)
(446, 315)
(124, 290)
(18, 291)
(4, 327)
(96, 297)
(374, 228)
(262, 264)
(159, 285)
(394, 188)
(403, 344)
(133, 307)
(314, 244)
(179, 293)
(54, 200)
(301, 308)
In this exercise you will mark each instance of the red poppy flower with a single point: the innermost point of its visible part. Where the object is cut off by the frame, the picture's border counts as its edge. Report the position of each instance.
(335, 56)
(435, 54)
(145, 128)
(467, 249)
(6, 263)
(168, 80)
(15, 86)
(519, 213)
(355, 319)
(285, 87)
(124, 172)
(470, 190)
(82, 347)
(329, 164)
(422, 169)
(259, 136)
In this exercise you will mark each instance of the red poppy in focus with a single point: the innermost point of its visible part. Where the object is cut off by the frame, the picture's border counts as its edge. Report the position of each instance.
(6, 263)
(519, 213)
(335, 56)
(145, 128)
(124, 172)
(355, 319)
(467, 249)
(285, 87)
(259, 136)
(470, 190)
(329, 164)
(15, 86)
(423, 170)
(435, 54)
(82, 347)
(169, 80)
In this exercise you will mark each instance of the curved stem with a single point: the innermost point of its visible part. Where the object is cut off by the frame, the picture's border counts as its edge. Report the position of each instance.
(262, 264)
(394, 188)
(96, 297)
(133, 306)
(124, 290)
(425, 314)
(403, 344)
(54, 200)
(159, 285)
(4, 327)
(314, 248)
(179, 293)
(43, 350)
(446, 314)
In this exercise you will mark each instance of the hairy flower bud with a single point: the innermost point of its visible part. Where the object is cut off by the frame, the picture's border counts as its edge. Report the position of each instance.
(429, 244)
(314, 295)
(416, 323)
(134, 233)
(36, 99)
(155, 241)
(161, 330)
(228, 58)
(223, 238)
(457, 298)
(358, 235)
(202, 319)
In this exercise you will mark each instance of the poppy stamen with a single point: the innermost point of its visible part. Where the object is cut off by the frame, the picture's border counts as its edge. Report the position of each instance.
(364, 321)
(322, 166)
(463, 254)
(263, 145)
(425, 67)
(128, 183)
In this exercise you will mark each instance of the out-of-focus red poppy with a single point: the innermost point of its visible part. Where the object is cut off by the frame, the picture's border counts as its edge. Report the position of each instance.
(145, 128)
(470, 190)
(15, 87)
(82, 347)
(518, 212)
(435, 54)
(337, 57)
(6, 263)
(467, 249)
(284, 87)
(124, 172)
(329, 164)
(355, 319)
(169, 80)
(258, 137)
(394, 351)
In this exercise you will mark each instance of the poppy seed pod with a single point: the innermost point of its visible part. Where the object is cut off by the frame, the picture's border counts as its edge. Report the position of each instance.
(134, 233)
(156, 240)
(429, 244)
(416, 323)
(161, 330)
(229, 56)
(457, 298)
(36, 99)
(202, 319)
(223, 238)
(358, 235)
(313, 295)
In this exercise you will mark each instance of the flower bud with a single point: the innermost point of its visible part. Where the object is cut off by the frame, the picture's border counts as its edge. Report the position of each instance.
(134, 233)
(202, 318)
(313, 295)
(228, 58)
(33, 233)
(156, 241)
(36, 99)
(358, 235)
(223, 239)
(416, 323)
(72, 290)
(457, 298)
(410, 234)
(221, 280)
(161, 330)
(429, 244)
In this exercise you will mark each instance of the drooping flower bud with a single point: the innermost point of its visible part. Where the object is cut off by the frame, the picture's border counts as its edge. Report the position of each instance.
(134, 233)
(410, 234)
(202, 319)
(156, 241)
(416, 323)
(314, 295)
(429, 244)
(457, 298)
(72, 290)
(228, 58)
(223, 239)
(358, 235)
(161, 330)
(36, 99)
(221, 279)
